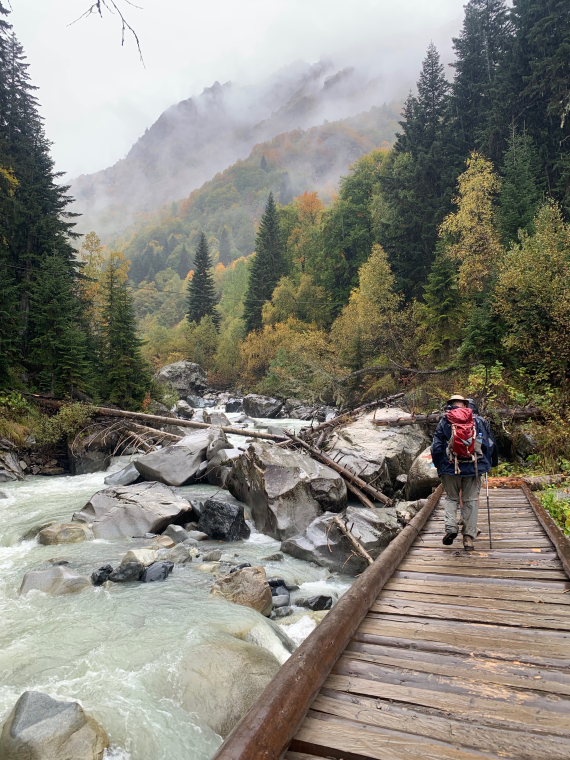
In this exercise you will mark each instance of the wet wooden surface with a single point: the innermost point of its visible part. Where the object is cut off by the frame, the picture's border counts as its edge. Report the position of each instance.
(461, 657)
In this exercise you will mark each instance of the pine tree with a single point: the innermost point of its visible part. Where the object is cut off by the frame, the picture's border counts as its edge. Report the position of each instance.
(481, 50)
(124, 379)
(267, 268)
(201, 289)
(442, 313)
(519, 196)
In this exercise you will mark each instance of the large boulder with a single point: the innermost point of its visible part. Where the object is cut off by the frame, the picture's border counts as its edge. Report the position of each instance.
(261, 406)
(64, 533)
(183, 409)
(324, 543)
(375, 452)
(56, 580)
(42, 728)
(134, 510)
(220, 465)
(216, 418)
(223, 521)
(181, 463)
(285, 489)
(184, 377)
(247, 586)
(422, 477)
(10, 468)
(223, 678)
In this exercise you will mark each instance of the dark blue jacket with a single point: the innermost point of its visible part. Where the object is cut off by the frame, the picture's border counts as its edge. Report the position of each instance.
(441, 459)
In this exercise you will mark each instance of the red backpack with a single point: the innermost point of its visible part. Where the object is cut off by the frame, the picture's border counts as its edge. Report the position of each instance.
(463, 442)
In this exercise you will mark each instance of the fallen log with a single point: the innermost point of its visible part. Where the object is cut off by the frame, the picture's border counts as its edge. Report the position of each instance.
(346, 416)
(346, 474)
(513, 414)
(353, 540)
(158, 420)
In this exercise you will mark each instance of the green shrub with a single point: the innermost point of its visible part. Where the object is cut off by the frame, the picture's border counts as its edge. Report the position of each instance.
(558, 507)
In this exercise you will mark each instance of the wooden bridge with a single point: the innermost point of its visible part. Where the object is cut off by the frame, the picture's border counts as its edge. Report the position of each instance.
(434, 653)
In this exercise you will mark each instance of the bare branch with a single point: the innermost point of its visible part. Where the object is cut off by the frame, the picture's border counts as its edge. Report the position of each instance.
(112, 6)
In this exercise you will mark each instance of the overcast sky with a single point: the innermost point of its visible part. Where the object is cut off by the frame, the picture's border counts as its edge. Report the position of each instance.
(97, 98)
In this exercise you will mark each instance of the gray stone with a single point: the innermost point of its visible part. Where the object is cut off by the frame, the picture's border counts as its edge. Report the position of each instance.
(183, 409)
(405, 510)
(422, 477)
(285, 489)
(64, 533)
(124, 477)
(9, 462)
(281, 612)
(281, 600)
(42, 728)
(197, 535)
(261, 406)
(216, 418)
(374, 452)
(179, 554)
(144, 556)
(325, 544)
(185, 377)
(56, 580)
(101, 575)
(223, 521)
(3, 495)
(277, 557)
(220, 465)
(179, 464)
(158, 571)
(85, 461)
(321, 602)
(222, 679)
(133, 510)
(176, 533)
(234, 405)
(127, 571)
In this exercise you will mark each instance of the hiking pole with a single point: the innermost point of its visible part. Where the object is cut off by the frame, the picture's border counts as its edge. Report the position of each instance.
(488, 509)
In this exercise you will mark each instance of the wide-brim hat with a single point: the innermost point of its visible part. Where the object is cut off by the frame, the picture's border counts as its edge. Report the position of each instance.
(457, 397)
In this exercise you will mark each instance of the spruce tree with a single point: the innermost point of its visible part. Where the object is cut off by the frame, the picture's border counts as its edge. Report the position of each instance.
(267, 267)
(201, 289)
(519, 196)
(124, 379)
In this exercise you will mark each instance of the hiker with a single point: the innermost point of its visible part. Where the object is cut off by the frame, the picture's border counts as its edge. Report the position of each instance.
(462, 450)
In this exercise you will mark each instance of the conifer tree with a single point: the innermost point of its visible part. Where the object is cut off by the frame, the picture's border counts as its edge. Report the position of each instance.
(267, 268)
(124, 379)
(519, 196)
(201, 289)
(442, 313)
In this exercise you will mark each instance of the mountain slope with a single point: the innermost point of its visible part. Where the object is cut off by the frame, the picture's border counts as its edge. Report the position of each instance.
(200, 136)
(229, 205)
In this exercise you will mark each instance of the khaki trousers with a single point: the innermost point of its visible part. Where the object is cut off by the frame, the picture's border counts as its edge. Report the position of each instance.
(470, 487)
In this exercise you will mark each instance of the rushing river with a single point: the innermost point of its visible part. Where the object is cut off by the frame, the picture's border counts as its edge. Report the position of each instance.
(119, 650)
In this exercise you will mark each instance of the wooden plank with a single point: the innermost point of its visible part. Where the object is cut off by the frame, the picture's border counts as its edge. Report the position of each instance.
(491, 602)
(483, 572)
(469, 667)
(356, 741)
(491, 639)
(479, 560)
(515, 714)
(519, 745)
(444, 577)
(470, 613)
(401, 643)
(302, 756)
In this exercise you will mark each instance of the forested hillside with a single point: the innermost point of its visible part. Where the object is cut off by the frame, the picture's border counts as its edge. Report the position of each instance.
(193, 140)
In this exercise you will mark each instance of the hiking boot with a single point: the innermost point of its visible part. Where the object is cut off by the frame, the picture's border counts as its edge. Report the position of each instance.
(468, 543)
(449, 537)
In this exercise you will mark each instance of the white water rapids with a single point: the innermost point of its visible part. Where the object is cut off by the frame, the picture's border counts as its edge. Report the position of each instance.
(119, 650)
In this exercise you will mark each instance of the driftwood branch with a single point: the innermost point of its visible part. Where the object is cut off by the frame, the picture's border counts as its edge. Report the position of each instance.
(354, 541)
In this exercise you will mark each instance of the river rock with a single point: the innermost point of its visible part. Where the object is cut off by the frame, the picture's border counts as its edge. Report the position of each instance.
(127, 571)
(405, 510)
(124, 477)
(316, 603)
(64, 533)
(216, 418)
(261, 406)
(223, 678)
(101, 575)
(234, 405)
(178, 464)
(285, 489)
(84, 461)
(185, 377)
(179, 554)
(220, 465)
(10, 468)
(158, 571)
(422, 477)
(197, 535)
(223, 521)
(133, 510)
(144, 556)
(326, 545)
(374, 452)
(42, 728)
(55, 580)
(247, 586)
(183, 409)
(176, 533)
